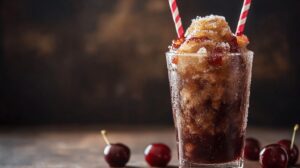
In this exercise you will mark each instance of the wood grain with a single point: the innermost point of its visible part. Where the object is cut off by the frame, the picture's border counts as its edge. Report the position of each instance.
(82, 147)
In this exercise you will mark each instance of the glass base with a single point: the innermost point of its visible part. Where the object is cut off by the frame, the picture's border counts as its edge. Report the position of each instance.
(233, 164)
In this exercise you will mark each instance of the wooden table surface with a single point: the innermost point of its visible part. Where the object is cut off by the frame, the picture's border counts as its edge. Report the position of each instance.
(82, 147)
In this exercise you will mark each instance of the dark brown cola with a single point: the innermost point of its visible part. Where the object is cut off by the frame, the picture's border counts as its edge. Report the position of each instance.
(210, 95)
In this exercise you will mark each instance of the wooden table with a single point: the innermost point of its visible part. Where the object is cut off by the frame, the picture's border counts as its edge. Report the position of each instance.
(82, 147)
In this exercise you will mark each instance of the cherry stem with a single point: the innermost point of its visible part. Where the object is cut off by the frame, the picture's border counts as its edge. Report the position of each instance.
(103, 133)
(296, 127)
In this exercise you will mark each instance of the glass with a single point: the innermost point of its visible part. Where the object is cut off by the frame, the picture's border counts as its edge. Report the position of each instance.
(210, 99)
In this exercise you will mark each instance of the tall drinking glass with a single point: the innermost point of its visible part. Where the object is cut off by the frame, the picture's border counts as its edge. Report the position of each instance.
(210, 99)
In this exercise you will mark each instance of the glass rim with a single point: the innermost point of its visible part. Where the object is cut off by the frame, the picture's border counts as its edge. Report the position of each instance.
(170, 53)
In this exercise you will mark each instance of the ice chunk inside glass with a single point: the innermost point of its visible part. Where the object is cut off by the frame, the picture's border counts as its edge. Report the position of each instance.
(210, 98)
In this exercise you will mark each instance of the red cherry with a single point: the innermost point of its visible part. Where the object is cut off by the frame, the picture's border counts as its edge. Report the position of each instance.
(273, 156)
(234, 47)
(216, 57)
(177, 43)
(116, 155)
(157, 155)
(197, 39)
(252, 149)
(175, 60)
(292, 153)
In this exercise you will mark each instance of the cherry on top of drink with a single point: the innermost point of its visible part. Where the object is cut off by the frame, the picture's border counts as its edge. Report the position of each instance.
(177, 42)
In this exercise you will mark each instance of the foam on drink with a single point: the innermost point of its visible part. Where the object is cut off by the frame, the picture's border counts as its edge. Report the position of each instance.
(210, 33)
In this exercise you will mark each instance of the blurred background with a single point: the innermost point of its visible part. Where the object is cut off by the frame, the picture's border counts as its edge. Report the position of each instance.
(102, 62)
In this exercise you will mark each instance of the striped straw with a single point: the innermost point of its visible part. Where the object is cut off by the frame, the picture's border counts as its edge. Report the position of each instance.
(176, 18)
(243, 17)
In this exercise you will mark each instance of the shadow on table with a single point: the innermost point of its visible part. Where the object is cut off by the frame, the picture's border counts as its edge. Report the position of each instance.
(296, 166)
(140, 167)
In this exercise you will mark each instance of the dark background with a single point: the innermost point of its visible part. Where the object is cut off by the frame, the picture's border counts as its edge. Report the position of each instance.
(102, 62)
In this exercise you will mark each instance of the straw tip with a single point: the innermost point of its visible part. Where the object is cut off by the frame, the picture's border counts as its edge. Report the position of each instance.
(103, 131)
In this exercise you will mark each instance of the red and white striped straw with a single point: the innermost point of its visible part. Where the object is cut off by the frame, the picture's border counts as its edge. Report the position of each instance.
(176, 18)
(243, 17)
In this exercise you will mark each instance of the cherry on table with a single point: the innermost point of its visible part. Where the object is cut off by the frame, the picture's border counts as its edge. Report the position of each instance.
(291, 147)
(252, 149)
(273, 156)
(293, 152)
(157, 155)
(117, 154)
